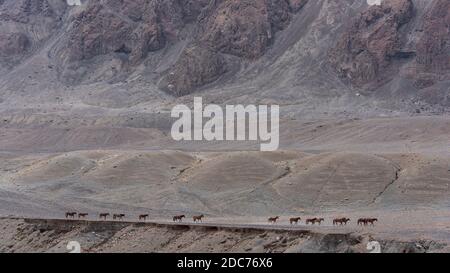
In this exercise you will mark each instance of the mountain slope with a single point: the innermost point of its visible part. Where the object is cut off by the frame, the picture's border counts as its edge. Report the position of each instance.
(297, 52)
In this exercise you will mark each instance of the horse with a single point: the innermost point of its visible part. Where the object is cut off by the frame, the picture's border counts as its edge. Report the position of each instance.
(371, 221)
(341, 221)
(362, 221)
(320, 220)
(273, 220)
(82, 215)
(313, 221)
(178, 218)
(198, 218)
(104, 215)
(71, 215)
(118, 216)
(295, 220)
(143, 217)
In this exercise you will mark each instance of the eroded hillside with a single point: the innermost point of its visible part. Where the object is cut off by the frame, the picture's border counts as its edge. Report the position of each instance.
(274, 50)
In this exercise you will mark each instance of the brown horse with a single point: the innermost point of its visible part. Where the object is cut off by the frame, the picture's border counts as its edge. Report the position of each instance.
(366, 221)
(178, 218)
(118, 216)
(104, 215)
(71, 215)
(273, 220)
(341, 221)
(361, 221)
(313, 221)
(143, 217)
(82, 215)
(295, 220)
(198, 218)
(320, 220)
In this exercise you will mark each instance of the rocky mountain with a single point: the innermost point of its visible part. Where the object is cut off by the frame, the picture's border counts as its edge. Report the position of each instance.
(373, 43)
(433, 46)
(25, 25)
(284, 51)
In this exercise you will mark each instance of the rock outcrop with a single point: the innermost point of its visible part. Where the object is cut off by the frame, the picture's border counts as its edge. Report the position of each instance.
(373, 43)
(21, 11)
(244, 28)
(124, 30)
(24, 24)
(433, 48)
(100, 29)
(196, 67)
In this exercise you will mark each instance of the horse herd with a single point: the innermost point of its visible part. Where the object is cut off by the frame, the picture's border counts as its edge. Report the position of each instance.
(336, 222)
(121, 216)
(199, 219)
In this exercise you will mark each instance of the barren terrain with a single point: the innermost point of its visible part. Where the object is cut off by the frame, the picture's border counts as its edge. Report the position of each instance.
(85, 99)
(402, 179)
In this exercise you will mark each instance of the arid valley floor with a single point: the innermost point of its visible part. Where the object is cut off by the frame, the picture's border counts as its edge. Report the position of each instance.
(402, 179)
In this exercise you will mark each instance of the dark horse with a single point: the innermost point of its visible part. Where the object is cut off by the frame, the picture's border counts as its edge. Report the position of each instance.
(118, 216)
(178, 218)
(366, 221)
(341, 221)
(313, 221)
(82, 215)
(104, 215)
(198, 218)
(71, 215)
